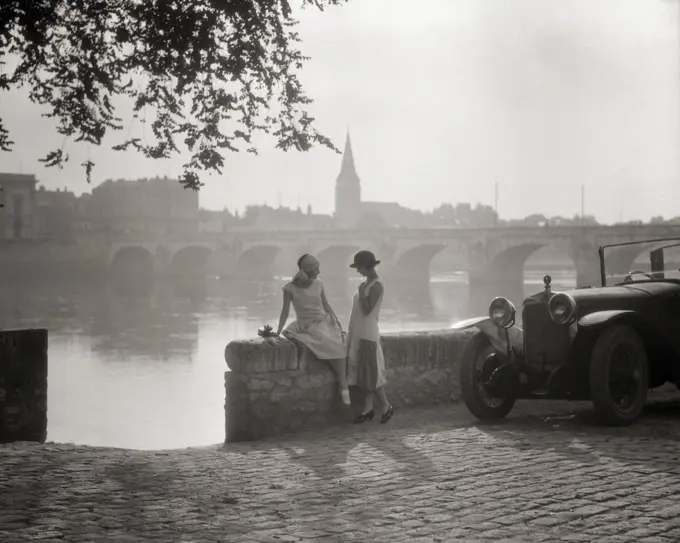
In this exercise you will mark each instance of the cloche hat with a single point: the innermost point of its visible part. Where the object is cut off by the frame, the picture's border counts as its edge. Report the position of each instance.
(364, 259)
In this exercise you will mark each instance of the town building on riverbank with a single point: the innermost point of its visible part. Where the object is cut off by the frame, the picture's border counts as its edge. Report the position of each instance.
(57, 214)
(157, 207)
(216, 221)
(18, 217)
(283, 218)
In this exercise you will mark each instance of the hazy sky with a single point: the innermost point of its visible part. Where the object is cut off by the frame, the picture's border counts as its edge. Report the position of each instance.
(541, 96)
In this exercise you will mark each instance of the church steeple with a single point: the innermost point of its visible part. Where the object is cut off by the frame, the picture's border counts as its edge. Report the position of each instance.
(348, 172)
(347, 186)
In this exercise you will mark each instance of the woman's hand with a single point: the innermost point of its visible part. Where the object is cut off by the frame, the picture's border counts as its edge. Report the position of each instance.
(284, 311)
(337, 322)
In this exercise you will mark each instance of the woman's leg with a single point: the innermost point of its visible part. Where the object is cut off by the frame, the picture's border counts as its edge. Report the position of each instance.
(339, 366)
(387, 410)
(367, 411)
(368, 402)
(380, 393)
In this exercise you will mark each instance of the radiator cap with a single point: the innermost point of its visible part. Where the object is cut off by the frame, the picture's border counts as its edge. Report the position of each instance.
(546, 281)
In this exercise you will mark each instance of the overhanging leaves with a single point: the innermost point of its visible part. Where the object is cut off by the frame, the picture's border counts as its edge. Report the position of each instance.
(209, 72)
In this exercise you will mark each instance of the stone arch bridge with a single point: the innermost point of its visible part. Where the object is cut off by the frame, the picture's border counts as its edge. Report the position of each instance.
(495, 256)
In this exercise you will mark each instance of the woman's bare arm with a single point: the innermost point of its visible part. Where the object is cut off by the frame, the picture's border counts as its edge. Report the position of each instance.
(287, 297)
(324, 301)
(327, 307)
(368, 302)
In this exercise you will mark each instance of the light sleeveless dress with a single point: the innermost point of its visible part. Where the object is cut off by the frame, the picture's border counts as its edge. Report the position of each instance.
(314, 328)
(366, 362)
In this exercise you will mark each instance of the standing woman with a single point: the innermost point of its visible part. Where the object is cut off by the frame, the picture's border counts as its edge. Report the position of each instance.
(317, 327)
(366, 363)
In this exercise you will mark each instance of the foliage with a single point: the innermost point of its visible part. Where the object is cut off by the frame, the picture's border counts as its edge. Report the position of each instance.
(192, 66)
(266, 331)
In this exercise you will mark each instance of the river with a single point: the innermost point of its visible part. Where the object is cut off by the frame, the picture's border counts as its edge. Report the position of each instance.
(142, 366)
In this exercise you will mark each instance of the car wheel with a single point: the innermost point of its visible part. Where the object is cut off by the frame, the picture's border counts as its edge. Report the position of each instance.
(619, 375)
(482, 403)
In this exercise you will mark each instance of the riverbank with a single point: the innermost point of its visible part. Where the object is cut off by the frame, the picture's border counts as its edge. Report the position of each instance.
(428, 475)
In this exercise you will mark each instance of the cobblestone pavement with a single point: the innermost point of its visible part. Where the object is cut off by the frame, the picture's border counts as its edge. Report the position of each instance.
(428, 475)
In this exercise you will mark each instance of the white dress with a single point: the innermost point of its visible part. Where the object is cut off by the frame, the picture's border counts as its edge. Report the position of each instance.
(366, 362)
(314, 328)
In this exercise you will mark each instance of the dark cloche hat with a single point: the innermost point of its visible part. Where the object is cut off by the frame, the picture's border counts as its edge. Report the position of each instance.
(364, 259)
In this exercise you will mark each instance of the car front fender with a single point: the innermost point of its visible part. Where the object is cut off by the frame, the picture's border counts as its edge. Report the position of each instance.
(656, 339)
(495, 334)
(599, 318)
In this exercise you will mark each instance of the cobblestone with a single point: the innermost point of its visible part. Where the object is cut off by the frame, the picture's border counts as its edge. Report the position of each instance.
(429, 475)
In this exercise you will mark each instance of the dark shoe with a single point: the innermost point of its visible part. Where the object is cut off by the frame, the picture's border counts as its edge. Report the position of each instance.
(387, 415)
(364, 417)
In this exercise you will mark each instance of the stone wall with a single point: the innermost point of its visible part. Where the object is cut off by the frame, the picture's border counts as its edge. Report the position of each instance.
(23, 385)
(274, 386)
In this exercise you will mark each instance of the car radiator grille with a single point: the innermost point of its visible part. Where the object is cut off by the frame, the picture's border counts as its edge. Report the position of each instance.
(546, 343)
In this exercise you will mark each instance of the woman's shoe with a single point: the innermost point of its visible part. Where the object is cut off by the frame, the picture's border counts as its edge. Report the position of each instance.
(364, 417)
(345, 396)
(387, 415)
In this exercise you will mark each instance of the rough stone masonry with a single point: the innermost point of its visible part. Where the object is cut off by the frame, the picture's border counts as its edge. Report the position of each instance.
(275, 386)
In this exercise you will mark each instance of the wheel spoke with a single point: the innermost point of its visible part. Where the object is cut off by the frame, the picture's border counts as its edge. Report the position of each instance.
(624, 376)
(488, 398)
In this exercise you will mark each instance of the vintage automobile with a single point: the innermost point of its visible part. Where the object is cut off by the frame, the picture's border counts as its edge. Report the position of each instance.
(608, 344)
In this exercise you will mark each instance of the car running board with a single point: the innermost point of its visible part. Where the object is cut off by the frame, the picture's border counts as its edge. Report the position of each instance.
(540, 393)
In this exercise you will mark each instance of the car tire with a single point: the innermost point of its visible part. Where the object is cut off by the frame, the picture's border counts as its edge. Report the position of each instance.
(605, 354)
(482, 406)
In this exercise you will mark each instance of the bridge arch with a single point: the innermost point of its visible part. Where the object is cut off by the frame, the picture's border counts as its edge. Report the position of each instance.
(257, 261)
(221, 262)
(556, 260)
(511, 261)
(504, 276)
(414, 263)
(190, 261)
(620, 260)
(335, 260)
(132, 260)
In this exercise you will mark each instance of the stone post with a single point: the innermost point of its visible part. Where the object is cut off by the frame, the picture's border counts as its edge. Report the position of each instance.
(23, 385)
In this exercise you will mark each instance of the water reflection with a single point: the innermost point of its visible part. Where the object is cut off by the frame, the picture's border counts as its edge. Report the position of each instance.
(140, 364)
(153, 320)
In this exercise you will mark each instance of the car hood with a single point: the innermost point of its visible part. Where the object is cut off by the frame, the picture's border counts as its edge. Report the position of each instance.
(588, 295)
(641, 289)
(635, 296)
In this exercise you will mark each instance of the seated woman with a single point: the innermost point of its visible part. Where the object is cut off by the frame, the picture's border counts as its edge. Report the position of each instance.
(317, 327)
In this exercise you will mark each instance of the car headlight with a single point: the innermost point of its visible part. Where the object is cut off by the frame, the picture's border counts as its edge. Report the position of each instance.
(502, 312)
(562, 308)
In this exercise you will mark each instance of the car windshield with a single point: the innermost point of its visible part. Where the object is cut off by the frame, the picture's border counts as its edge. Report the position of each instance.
(640, 261)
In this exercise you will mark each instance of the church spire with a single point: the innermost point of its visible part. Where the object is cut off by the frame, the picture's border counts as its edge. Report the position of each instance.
(348, 173)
